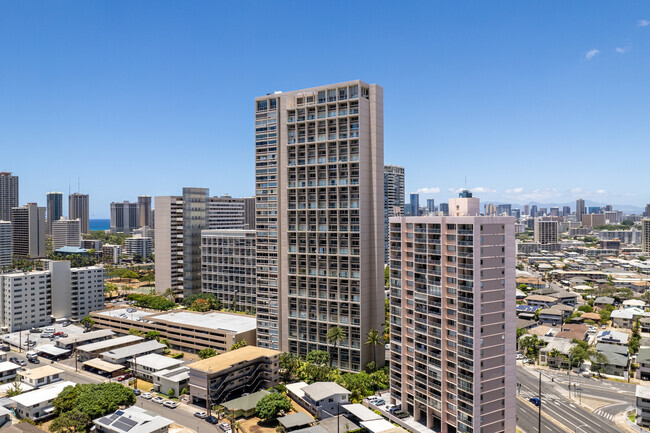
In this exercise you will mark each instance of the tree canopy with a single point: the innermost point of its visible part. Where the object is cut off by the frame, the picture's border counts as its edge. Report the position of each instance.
(208, 352)
(271, 405)
(208, 301)
(155, 302)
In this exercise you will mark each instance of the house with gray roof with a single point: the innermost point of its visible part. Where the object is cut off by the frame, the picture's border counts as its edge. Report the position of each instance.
(324, 397)
(132, 420)
(617, 359)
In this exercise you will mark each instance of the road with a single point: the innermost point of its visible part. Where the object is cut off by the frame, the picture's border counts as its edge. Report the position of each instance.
(527, 416)
(558, 407)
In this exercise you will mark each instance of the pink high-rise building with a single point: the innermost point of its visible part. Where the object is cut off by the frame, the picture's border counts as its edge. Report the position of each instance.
(453, 319)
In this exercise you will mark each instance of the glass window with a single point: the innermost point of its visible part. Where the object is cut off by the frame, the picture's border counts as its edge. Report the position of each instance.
(261, 105)
(354, 91)
(274, 103)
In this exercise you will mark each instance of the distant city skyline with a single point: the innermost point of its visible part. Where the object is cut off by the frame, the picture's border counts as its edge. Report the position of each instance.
(525, 102)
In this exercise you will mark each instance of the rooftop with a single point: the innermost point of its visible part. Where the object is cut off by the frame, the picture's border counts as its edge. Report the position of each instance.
(295, 420)
(71, 250)
(247, 402)
(40, 395)
(317, 391)
(8, 366)
(157, 362)
(133, 350)
(228, 359)
(643, 391)
(41, 372)
(133, 420)
(86, 336)
(92, 347)
(212, 320)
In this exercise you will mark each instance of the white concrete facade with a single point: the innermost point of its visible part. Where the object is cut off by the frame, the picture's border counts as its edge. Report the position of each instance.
(66, 233)
(6, 244)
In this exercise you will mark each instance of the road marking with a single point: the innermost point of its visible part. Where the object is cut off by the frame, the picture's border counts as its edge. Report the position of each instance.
(572, 405)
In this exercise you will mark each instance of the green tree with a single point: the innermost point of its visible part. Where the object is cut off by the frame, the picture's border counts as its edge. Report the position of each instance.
(606, 313)
(271, 405)
(214, 302)
(239, 345)
(531, 345)
(87, 322)
(131, 275)
(71, 421)
(169, 294)
(586, 308)
(152, 335)
(387, 276)
(336, 335)
(316, 372)
(200, 305)
(208, 352)
(15, 389)
(374, 339)
(94, 400)
(289, 365)
(171, 392)
(318, 357)
(138, 332)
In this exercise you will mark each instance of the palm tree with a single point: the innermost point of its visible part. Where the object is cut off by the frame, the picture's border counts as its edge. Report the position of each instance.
(335, 335)
(374, 339)
(169, 294)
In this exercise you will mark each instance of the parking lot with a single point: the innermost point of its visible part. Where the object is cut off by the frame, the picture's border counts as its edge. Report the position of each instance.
(27, 339)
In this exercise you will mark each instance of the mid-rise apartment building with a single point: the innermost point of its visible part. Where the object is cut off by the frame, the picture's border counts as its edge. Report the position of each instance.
(195, 219)
(6, 246)
(29, 231)
(169, 243)
(645, 236)
(145, 218)
(545, 232)
(54, 205)
(226, 213)
(8, 194)
(112, 252)
(393, 198)
(593, 220)
(580, 209)
(249, 213)
(66, 233)
(79, 208)
(319, 188)
(452, 319)
(139, 245)
(125, 217)
(228, 267)
(414, 200)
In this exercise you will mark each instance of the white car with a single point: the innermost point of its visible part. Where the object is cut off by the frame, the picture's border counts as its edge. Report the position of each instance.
(158, 400)
(171, 404)
(520, 356)
(146, 395)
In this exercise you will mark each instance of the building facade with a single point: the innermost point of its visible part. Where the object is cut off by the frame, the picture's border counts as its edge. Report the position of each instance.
(65, 233)
(414, 200)
(29, 231)
(249, 213)
(545, 232)
(319, 189)
(452, 319)
(6, 245)
(144, 211)
(125, 217)
(645, 235)
(54, 204)
(226, 213)
(195, 219)
(79, 208)
(138, 245)
(228, 267)
(169, 243)
(8, 195)
(393, 198)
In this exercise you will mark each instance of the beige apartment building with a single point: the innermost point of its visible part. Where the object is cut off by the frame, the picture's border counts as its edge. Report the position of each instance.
(169, 243)
(29, 228)
(545, 232)
(79, 208)
(592, 220)
(66, 233)
(319, 164)
(645, 235)
(452, 319)
(393, 198)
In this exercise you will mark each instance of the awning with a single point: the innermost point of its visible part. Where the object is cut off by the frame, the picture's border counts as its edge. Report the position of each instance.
(51, 350)
(102, 365)
(361, 412)
(377, 425)
(49, 409)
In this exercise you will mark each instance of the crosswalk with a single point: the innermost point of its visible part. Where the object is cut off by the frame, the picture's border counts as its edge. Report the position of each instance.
(605, 415)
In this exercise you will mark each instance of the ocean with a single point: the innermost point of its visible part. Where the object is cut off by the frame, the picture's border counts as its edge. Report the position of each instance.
(99, 224)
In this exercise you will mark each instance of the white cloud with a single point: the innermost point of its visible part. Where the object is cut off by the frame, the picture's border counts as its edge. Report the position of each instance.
(514, 191)
(482, 189)
(430, 190)
(576, 191)
(601, 192)
(590, 54)
(621, 50)
(643, 23)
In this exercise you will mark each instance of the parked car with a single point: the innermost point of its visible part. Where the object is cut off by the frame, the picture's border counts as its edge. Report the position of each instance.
(379, 402)
(65, 324)
(50, 330)
(35, 330)
(137, 392)
(131, 310)
(171, 404)
(5, 348)
(34, 360)
(20, 362)
(124, 377)
(212, 419)
(58, 334)
(224, 426)
(200, 414)
(158, 400)
(401, 414)
(46, 335)
(534, 400)
(146, 395)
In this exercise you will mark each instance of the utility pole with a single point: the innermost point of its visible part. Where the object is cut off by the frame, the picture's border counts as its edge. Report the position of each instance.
(539, 413)
(207, 392)
(76, 355)
(20, 338)
(135, 371)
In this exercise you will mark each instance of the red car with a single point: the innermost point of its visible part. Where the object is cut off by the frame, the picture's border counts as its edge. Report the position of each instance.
(57, 334)
(124, 377)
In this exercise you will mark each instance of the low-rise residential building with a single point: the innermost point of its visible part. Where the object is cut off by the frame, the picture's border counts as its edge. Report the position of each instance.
(144, 367)
(188, 331)
(643, 359)
(573, 331)
(627, 317)
(123, 355)
(561, 346)
(603, 301)
(41, 376)
(8, 371)
(132, 420)
(230, 374)
(112, 252)
(37, 404)
(324, 398)
(72, 342)
(176, 379)
(643, 406)
(613, 337)
(556, 314)
(617, 359)
(541, 301)
(92, 350)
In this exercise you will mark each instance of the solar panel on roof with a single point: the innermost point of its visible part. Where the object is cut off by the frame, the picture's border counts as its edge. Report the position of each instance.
(124, 424)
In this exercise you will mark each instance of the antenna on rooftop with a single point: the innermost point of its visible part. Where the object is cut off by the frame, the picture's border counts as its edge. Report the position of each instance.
(78, 184)
(69, 187)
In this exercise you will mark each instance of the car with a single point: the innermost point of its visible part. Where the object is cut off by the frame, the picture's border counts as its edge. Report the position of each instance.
(401, 414)
(520, 356)
(146, 395)
(535, 400)
(158, 400)
(58, 334)
(200, 414)
(31, 343)
(50, 330)
(171, 404)
(46, 335)
(5, 348)
(212, 419)
(131, 310)
(379, 402)
(603, 327)
(387, 346)
(137, 392)
(65, 324)
(34, 360)
(124, 377)
(224, 426)
(529, 361)
(20, 362)
(35, 330)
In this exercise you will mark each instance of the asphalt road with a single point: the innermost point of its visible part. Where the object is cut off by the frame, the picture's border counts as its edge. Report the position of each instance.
(559, 408)
(527, 417)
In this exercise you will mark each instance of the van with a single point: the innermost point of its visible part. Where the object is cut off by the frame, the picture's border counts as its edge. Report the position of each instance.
(31, 354)
(49, 330)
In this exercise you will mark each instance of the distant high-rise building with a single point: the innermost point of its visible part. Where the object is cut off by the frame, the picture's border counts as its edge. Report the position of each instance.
(54, 209)
(455, 333)
(79, 208)
(594, 210)
(566, 211)
(66, 233)
(6, 248)
(226, 213)
(504, 209)
(228, 267)
(195, 219)
(533, 211)
(515, 213)
(542, 211)
(414, 199)
(444, 208)
(645, 235)
(29, 231)
(139, 246)
(647, 210)
(124, 217)
(554, 212)
(593, 220)
(527, 210)
(490, 209)
(319, 227)
(169, 243)
(545, 232)
(249, 213)
(580, 209)
(431, 205)
(8, 194)
(144, 211)
(393, 198)
(607, 208)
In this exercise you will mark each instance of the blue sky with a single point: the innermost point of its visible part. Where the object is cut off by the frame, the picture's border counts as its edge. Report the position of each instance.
(543, 101)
